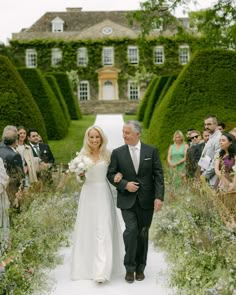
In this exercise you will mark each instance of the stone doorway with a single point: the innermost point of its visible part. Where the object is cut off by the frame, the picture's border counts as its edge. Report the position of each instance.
(108, 90)
(108, 85)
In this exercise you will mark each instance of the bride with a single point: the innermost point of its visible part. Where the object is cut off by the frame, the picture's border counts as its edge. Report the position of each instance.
(97, 245)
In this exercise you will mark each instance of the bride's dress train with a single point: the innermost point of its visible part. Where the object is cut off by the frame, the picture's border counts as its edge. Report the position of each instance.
(97, 244)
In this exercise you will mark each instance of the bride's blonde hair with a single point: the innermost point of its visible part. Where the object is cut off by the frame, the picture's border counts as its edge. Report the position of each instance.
(86, 150)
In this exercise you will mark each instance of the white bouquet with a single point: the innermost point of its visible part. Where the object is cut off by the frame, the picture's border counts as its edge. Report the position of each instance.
(80, 165)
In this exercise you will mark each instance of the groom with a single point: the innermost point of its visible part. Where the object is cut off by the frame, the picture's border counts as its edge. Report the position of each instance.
(140, 192)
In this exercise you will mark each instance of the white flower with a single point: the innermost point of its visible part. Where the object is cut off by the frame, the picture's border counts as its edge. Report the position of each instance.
(234, 168)
(80, 165)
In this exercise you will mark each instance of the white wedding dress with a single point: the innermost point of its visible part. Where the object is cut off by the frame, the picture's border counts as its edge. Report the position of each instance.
(98, 248)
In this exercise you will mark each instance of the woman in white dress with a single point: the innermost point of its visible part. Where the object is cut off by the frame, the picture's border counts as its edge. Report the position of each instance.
(98, 247)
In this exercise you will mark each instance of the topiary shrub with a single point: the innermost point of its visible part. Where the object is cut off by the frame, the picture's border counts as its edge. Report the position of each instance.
(56, 89)
(153, 99)
(55, 121)
(17, 106)
(205, 86)
(144, 101)
(69, 97)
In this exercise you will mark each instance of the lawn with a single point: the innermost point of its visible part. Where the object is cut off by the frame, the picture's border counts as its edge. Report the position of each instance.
(64, 150)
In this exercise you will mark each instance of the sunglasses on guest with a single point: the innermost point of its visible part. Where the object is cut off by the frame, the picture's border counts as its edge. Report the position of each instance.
(195, 136)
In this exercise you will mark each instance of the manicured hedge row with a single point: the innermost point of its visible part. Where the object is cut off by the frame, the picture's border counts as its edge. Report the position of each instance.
(205, 86)
(55, 121)
(144, 101)
(56, 89)
(17, 106)
(69, 97)
(153, 99)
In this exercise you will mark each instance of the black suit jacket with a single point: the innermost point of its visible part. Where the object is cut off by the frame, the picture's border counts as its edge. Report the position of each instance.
(149, 176)
(45, 153)
(12, 161)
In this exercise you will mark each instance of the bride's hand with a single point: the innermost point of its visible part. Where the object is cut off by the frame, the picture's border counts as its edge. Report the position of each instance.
(118, 177)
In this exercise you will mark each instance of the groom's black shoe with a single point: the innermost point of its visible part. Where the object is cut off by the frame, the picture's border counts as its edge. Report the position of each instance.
(129, 277)
(139, 276)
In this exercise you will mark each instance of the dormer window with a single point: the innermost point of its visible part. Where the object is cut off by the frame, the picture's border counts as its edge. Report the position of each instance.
(57, 25)
(157, 24)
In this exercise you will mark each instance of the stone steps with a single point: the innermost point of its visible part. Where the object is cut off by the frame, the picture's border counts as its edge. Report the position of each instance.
(109, 107)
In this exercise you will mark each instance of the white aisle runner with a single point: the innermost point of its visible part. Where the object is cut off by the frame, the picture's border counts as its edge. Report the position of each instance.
(156, 271)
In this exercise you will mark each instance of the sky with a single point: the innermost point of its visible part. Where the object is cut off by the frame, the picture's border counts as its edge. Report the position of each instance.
(18, 14)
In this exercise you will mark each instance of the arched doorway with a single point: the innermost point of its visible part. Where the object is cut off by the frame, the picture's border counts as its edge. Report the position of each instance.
(108, 90)
(108, 85)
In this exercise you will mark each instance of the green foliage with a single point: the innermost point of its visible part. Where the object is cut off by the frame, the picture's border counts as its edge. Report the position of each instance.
(64, 150)
(217, 24)
(56, 89)
(69, 97)
(153, 99)
(201, 249)
(144, 101)
(36, 235)
(17, 106)
(205, 86)
(54, 119)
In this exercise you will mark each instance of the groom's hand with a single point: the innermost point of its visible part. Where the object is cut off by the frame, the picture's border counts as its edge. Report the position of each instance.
(132, 186)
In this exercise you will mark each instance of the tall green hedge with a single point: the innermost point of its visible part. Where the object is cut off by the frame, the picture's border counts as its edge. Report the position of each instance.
(144, 101)
(67, 92)
(17, 106)
(153, 99)
(205, 86)
(55, 121)
(56, 89)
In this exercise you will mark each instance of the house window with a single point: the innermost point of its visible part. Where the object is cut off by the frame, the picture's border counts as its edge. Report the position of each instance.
(133, 55)
(157, 24)
(31, 58)
(108, 56)
(56, 56)
(133, 90)
(82, 57)
(84, 90)
(57, 25)
(159, 56)
(183, 54)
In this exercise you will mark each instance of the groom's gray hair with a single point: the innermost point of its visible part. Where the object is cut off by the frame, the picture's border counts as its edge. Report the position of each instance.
(135, 126)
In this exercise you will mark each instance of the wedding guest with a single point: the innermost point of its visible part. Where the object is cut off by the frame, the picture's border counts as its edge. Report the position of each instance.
(212, 147)
(139, 193)
(221, 126)
(205, 136)
(97, 244)
(176, 158)
(233, 132)
(188, 135)
(224, 163)
(194, 153)
(26, 153)
(13, 163)
(41, 150)
(43, 156)
(4, 209)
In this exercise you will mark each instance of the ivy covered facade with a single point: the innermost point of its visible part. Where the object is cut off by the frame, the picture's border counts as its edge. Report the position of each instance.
(105, 50)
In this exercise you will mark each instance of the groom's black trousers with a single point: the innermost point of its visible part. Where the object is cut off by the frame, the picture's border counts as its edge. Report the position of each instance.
(137, 222)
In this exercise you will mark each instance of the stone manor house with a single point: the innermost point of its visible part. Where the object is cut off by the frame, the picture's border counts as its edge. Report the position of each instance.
(103, 48)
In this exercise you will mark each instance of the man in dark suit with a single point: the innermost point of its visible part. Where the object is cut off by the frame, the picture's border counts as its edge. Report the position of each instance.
(43, 156)
(139, 193)
(40, 149)
(12, 162)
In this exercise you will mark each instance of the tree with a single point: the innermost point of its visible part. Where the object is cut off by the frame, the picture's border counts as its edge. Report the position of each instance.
(218, 24)
(153, 12)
